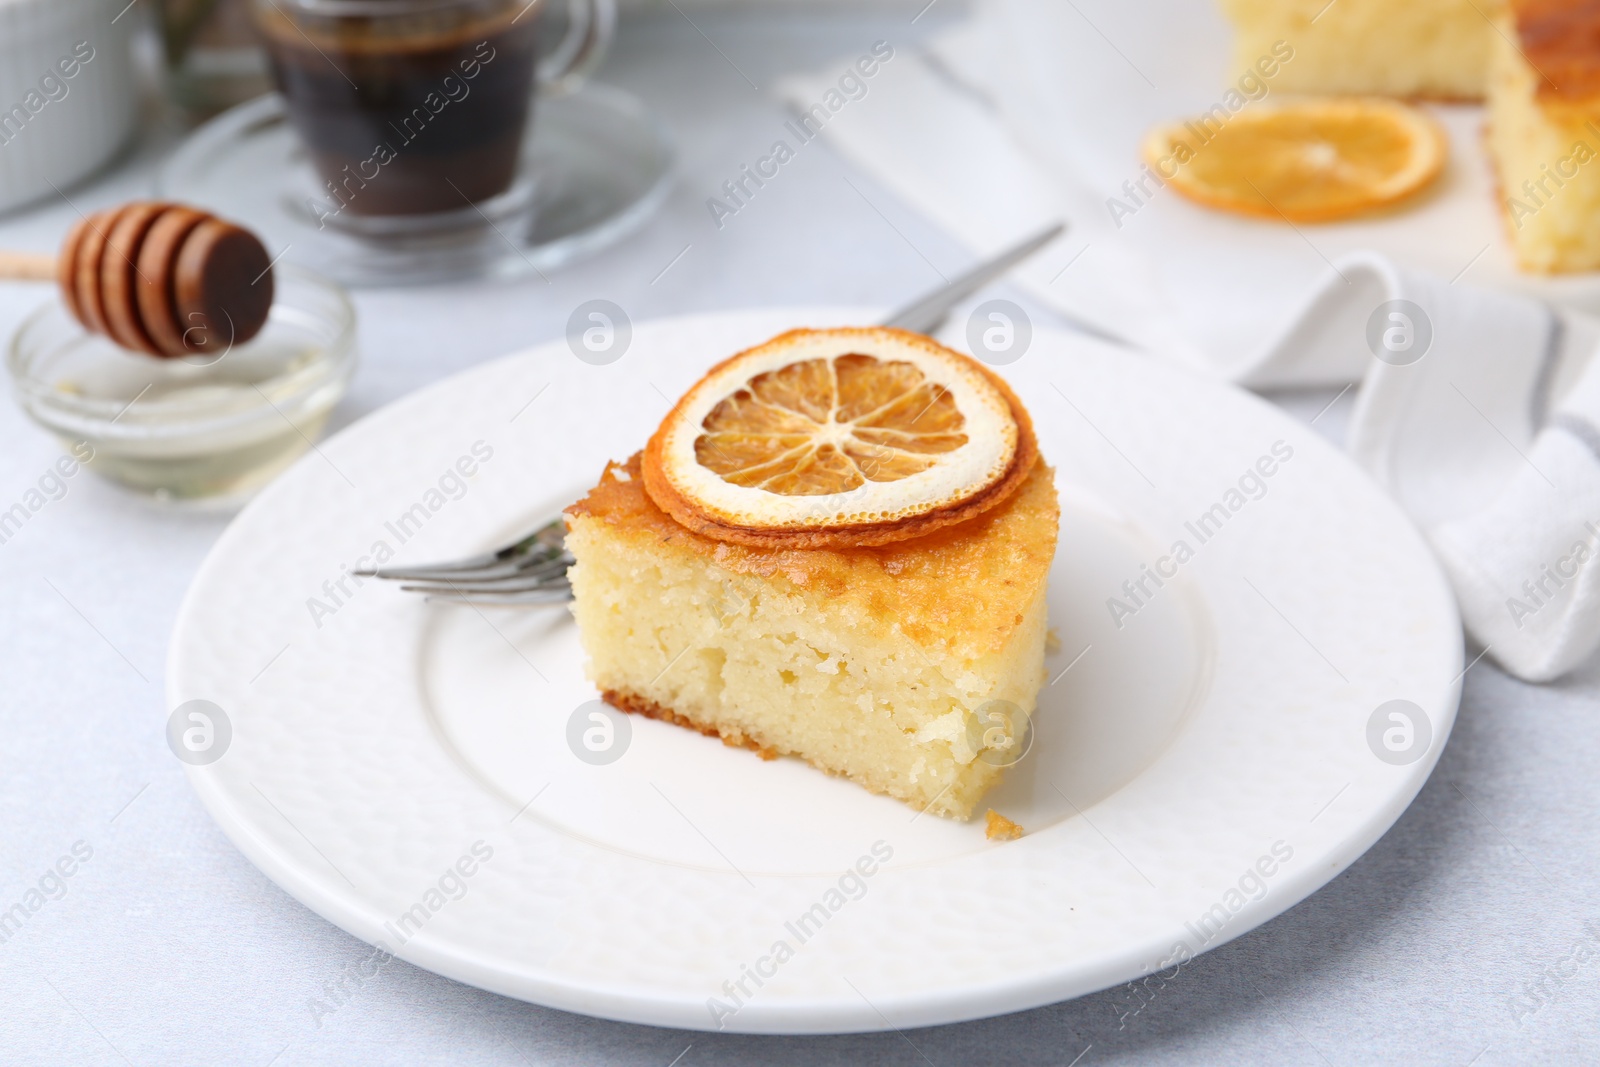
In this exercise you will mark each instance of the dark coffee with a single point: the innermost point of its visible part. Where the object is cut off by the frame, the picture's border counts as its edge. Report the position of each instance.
(403, 115)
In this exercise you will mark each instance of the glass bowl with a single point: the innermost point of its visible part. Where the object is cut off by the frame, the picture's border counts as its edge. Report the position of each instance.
(210, 429)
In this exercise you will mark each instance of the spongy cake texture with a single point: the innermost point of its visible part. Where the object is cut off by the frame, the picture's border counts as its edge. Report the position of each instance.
(1437, 49)
(1544, 131)
(867, 662)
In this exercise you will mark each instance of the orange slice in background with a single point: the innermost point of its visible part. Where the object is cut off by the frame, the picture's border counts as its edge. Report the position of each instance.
(839, 438)
(1305, 161)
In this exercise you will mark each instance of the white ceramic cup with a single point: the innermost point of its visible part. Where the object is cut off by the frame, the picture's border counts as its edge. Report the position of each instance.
(68, 97)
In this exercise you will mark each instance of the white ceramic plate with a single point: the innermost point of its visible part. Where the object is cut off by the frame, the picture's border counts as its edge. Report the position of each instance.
(1197, 770)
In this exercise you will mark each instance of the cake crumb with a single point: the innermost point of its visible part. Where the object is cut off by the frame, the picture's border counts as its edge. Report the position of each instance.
(1000, 828)
(1052, 641)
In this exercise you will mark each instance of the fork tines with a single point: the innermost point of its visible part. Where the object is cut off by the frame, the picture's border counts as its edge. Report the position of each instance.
(556, 592)
(530, 570)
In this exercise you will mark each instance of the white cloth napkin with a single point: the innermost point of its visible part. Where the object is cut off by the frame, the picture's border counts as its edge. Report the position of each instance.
(1481, 417)
(1486, 429)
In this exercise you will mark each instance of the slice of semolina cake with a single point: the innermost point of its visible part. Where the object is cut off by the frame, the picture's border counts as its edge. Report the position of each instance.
(1437, 49)
(1544, 131)
(881, 664)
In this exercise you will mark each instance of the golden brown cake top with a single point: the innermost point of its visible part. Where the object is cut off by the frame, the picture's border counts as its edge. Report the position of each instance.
(1561, 41)
(965, 587)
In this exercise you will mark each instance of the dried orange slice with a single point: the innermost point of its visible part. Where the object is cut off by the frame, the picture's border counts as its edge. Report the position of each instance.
(838, 438)
(1307, 161)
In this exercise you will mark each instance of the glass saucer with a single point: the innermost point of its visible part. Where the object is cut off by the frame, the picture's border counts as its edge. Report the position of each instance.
(594, 167)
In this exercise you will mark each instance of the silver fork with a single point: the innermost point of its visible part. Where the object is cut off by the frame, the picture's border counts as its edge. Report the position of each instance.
(533, 569)
(530, 570)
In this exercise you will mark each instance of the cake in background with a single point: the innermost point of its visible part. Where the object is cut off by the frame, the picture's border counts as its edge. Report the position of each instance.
(1537, 61)
(1544, 131)
(1434, 49)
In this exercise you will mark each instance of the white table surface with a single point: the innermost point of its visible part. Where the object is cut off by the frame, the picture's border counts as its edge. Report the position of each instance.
(1469, 935)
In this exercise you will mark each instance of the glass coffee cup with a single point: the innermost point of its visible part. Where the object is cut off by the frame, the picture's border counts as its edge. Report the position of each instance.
(416, 110)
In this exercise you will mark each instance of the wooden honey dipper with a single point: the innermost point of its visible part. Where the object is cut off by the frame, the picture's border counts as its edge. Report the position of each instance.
(158, 278)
